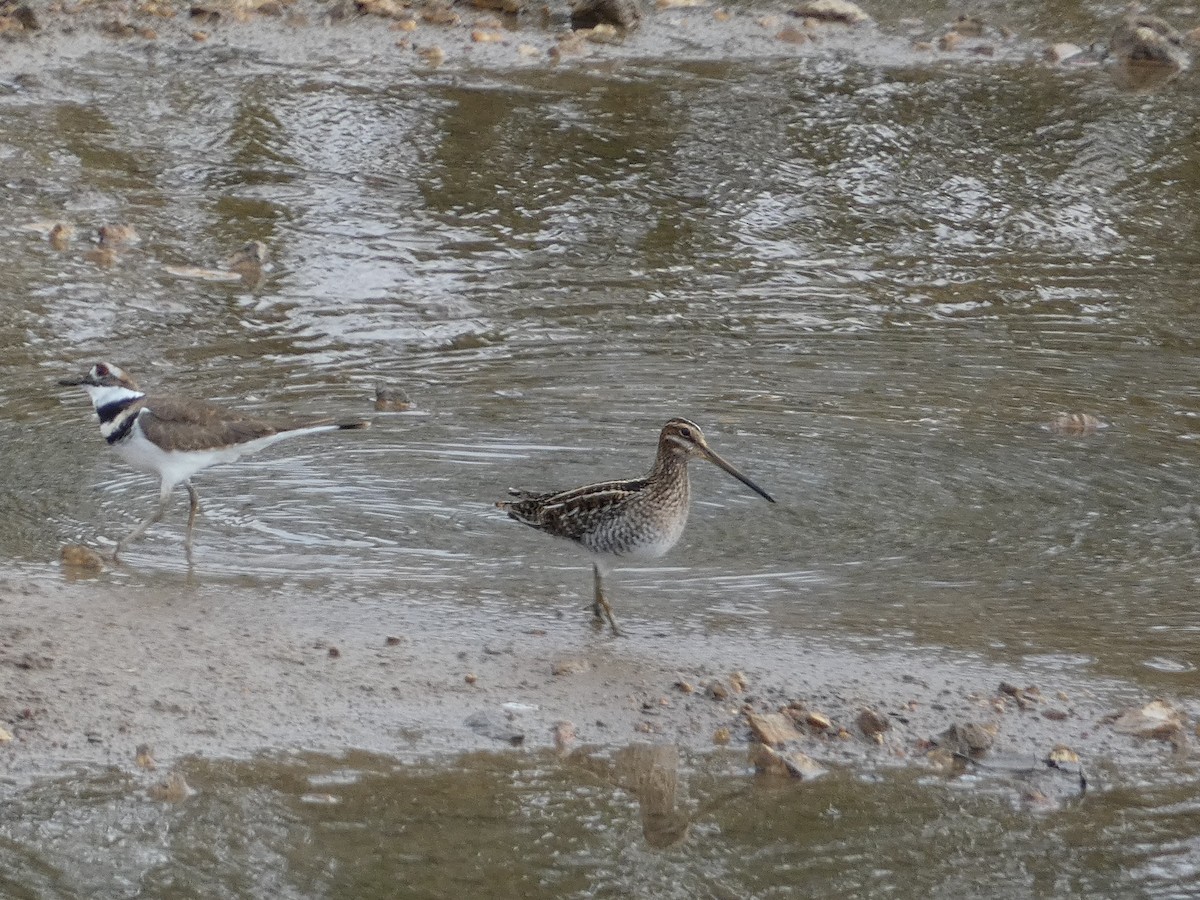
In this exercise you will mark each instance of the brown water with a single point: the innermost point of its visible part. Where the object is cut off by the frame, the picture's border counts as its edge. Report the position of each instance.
(869, 281)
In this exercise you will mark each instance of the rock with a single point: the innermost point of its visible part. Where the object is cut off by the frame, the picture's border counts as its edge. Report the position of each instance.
(950, 41)
(564, 736)
(389, 398)
(482, 36)
(512, 7)
(792, 35)
(1074, 424)
(968, 26)
(21, 18)
(1157, 719)
(497, 726)
(602, 34)
(438, 12)
(817, 720)
(81, 558)
(618, 13)
(5, 736)
(872, 723)
(1062, 755)
(716, 690)
(792, 763)
(470, 678)
(432, 56)
(570, 666)
(386, 9)
(1144, 40)
(773, 729)
(117, 235)
(1061, 52)
(144, 758)
(969, 739)
(248, 260)
(60, 235)
(722, 736)
(173, 789)
(842, 11)
(738, 682)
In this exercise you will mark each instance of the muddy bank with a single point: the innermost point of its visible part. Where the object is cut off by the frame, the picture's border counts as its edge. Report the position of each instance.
(431, 34)
(93, 669)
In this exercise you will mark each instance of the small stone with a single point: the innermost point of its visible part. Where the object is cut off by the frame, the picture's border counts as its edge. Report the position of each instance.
(773, 729)
(602, 34)
(738, 682)
(392, 641)
(716, 690)
(872, 723)
(817, 720)
(389, 398)
(334, 652)
(439, 15)
(1062, 755)
(792, 35)
(1157, 719)
(5, 735)
(81, 558)
(1055, 715)
(144, 758)
(61, 235)
(173, 789)
(968, 26)
(722, 15)
(470, 678)
(722, 736)
(1075, 424)
(433, 56)
(479, 36)
(791, 763)
(618, 13)
(968, 739)
(570, 666)
(684, 687)
(842, 11)
(564, 736)
(1061, 52)
(950, 41)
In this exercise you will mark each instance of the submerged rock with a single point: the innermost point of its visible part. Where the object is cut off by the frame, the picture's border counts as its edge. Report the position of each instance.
(842, 11)
(1145, 40)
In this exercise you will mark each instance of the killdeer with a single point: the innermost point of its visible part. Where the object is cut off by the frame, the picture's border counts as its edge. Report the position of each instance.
(175, 437)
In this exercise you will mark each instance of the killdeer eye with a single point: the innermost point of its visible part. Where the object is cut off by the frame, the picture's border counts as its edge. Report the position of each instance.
(101, 370)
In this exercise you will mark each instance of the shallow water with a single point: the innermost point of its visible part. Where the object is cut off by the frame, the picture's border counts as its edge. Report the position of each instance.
(643, 822)
(871, 282)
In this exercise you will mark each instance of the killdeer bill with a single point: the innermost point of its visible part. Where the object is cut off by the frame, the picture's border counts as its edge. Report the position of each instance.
(176, 437)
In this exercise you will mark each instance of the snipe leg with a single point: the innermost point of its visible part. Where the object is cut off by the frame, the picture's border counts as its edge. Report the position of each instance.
(164, 501)
(193, 508)
(600, 607)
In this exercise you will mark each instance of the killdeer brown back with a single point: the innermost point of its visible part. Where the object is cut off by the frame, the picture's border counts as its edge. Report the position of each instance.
(176, 437)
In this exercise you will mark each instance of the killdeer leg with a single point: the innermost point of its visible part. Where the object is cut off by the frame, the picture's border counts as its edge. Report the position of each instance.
(599, 604)
(164, 501)
(193, 508)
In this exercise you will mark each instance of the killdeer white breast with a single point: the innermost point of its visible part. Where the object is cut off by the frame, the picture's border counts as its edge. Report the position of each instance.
(176, 437)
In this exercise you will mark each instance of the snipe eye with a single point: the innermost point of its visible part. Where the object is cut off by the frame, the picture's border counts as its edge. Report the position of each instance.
(685, 432)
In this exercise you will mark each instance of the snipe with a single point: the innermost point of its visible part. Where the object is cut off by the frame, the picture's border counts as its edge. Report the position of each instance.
(616, 520)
